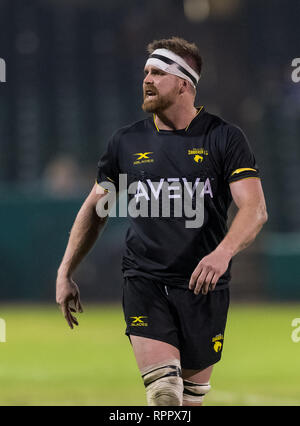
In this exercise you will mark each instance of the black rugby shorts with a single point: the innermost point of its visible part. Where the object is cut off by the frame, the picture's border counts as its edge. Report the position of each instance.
(195, 325)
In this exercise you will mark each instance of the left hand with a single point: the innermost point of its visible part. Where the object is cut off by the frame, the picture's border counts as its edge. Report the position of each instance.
(208, 271)
(67, 292)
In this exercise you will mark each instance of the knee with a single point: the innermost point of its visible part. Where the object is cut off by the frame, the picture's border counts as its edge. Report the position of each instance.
(163, 383)
(194, 393)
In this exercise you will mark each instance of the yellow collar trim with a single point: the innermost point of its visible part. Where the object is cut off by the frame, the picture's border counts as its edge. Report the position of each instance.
(200, 109)
(155, 122)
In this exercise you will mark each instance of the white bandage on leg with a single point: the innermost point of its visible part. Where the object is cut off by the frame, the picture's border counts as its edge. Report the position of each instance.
(163, 383)
(194, 392)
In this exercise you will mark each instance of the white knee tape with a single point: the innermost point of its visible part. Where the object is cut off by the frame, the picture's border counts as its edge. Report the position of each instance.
(163, 383)
(194, 392)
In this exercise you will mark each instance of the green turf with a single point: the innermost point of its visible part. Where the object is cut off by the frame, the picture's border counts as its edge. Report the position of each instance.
(45, 363)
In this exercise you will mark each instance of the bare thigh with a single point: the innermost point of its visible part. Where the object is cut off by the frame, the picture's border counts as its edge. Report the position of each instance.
(197, 376)
(149, 351)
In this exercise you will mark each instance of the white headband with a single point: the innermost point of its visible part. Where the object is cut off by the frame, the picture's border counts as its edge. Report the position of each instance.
(173, 64)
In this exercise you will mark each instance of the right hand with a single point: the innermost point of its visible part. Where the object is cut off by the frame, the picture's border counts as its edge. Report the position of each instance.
(67, 291)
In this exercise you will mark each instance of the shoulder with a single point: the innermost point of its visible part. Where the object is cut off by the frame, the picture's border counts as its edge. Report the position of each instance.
(222, 126)
(225, 134)
(136, 127)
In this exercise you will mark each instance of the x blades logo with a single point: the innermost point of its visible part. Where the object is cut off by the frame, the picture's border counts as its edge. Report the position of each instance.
(143, 157)
(138, 322)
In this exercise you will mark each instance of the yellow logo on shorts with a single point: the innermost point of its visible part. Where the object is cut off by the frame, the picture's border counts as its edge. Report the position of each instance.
(139, 322)
(217, 344)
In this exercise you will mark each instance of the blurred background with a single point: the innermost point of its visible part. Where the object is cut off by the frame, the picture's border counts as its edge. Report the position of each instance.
(74, 73)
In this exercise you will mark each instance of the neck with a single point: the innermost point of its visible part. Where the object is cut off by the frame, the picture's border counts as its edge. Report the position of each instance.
(175, 118)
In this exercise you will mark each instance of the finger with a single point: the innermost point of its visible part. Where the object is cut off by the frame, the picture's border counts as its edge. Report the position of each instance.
(201, 280)
(70, 316)
(195, 276)
(211, 287)
(207, 282)
(72, 304)
(67, 314)
(78, 305)
(64, 308)
(73, 319)
(214, 282)
(72, 309)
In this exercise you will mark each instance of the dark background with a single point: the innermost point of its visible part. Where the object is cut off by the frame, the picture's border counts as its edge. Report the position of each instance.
(74, 75)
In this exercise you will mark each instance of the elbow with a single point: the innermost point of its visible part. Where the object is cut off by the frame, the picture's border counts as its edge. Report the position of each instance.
(263, 216)
(266, 217)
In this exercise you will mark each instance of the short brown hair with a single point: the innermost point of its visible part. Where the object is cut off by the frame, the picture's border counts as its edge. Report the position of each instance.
(188, 51)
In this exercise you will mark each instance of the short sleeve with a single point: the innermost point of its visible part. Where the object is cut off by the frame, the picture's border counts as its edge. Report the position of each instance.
(239, 160)
(108, 170)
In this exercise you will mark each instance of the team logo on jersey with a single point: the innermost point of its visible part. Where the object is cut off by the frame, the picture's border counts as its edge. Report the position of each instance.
(218, 342)
(138, 321)
(143, 157)
(198, 154)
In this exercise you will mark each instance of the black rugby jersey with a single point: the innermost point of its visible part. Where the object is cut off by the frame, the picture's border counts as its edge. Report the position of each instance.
(211, 151)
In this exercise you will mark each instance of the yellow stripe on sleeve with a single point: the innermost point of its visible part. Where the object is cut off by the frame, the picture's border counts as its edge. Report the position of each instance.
(242, 170)
(101, 189)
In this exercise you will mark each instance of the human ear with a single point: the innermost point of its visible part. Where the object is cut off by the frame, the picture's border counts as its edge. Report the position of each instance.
(183, 86)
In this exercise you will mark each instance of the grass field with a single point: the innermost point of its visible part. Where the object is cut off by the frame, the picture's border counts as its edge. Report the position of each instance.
(45, 363)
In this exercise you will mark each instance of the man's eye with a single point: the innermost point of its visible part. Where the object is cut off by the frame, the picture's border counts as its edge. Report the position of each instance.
(154, 72)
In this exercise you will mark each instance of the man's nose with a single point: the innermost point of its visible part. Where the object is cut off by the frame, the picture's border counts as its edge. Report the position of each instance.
(148, 79)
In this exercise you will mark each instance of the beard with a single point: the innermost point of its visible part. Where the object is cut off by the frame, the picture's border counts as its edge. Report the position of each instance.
(157, 103)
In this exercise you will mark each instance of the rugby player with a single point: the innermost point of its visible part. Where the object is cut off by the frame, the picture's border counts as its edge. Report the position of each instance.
(175, 293)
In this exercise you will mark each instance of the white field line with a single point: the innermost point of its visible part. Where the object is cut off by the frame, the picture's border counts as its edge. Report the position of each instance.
(248, 399)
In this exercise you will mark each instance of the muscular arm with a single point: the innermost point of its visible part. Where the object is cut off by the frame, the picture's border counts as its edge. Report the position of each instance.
(249, 198)
(250, 218)
(84, 233)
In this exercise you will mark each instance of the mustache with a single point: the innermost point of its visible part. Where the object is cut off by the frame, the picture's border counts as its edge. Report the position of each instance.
(150, 88)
